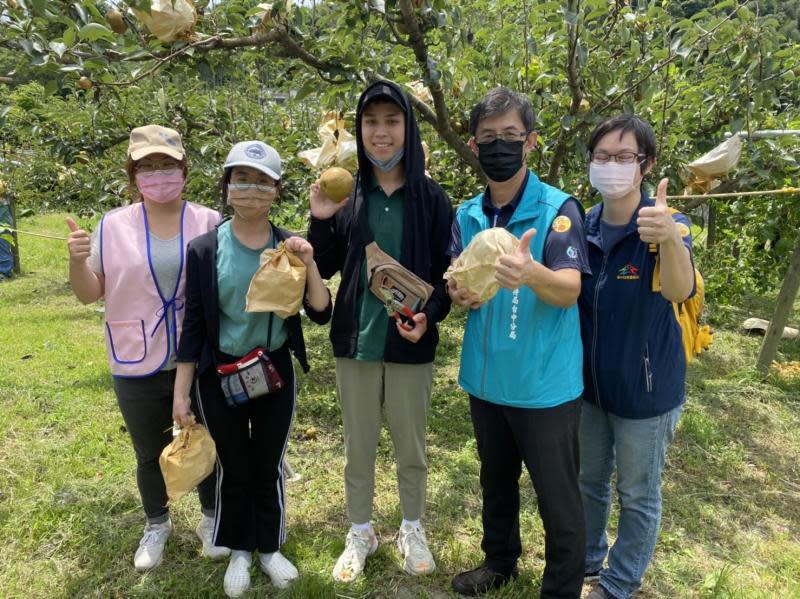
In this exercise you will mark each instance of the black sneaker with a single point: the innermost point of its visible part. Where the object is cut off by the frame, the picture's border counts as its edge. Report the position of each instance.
(480, 580)
(591, 577)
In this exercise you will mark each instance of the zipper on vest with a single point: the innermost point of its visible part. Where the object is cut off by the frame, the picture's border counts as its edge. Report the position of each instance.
(648, 373)
(600, 281)
(486, 349)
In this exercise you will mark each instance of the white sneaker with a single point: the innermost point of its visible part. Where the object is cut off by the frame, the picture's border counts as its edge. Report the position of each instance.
(413, 546)
(205, 532)
(356, 549)
(151, 547)
(237, 576)
(279, 569)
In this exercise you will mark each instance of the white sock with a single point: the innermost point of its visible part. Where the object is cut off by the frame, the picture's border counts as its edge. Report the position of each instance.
(412, 523)
(361, 527)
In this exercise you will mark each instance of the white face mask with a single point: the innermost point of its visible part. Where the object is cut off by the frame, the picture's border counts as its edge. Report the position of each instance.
(613, 180)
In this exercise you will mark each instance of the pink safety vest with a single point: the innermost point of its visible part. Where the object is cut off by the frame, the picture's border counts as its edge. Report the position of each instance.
(137, 336)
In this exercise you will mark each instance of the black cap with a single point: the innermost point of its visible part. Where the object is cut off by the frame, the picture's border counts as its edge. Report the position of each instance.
(382, 91)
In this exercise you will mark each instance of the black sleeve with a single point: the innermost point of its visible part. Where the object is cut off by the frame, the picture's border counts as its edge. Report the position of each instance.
(193, 331)
(321, 317)
(438, 305)
(565, 245)
(322, 236)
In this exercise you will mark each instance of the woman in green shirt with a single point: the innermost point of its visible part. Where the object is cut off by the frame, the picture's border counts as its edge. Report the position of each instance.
(251, 437)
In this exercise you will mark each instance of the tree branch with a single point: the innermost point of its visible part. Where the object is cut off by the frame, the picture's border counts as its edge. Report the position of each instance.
(575, 89)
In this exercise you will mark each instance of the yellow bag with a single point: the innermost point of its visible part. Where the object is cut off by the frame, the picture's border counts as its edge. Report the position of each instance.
(168, 20)
(279, 283)
(188, 460)
(695, 337)
(475, 267)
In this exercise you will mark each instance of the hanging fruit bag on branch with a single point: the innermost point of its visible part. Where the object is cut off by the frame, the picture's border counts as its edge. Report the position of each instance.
(338, 146)
(169, 20)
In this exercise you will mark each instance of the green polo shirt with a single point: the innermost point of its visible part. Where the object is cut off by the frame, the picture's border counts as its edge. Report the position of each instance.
(385, 217)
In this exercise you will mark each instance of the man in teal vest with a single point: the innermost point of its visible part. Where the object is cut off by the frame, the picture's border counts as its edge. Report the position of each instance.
(521, 360)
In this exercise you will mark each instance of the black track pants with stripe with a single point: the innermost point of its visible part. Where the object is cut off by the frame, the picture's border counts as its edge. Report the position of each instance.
(251, 442)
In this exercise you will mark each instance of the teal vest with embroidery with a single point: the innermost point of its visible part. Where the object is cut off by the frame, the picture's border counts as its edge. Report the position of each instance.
(518, 350)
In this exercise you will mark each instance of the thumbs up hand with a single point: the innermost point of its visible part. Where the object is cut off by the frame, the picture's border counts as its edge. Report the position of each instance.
(656, 224)
(517, 269)
(79, 243)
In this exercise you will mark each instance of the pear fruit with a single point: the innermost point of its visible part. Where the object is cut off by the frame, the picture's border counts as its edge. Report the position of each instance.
(116, 22)
(336, 183)
(85, 83)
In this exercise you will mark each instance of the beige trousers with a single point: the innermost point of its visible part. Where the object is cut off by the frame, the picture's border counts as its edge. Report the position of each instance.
(403, 392)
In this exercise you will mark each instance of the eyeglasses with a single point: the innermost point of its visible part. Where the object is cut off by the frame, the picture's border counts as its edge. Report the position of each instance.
(509, 136)
(252, 186)
(152, 167)
(619, 158)
(160, 170)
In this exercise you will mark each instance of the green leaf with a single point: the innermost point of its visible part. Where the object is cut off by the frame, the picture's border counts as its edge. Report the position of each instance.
(58, 47)
(69, 36)
(95, 31)
(304, 91)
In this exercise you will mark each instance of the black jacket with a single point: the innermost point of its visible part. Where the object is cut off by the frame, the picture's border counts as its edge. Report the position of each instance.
(199, 340)
(339, 246)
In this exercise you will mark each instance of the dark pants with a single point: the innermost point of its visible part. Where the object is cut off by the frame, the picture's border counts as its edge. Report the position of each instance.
(546, 441)
(251, 441)
(146, 406)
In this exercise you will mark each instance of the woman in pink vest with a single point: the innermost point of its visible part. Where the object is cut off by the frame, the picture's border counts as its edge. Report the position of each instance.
(250, 422)
(136, 260)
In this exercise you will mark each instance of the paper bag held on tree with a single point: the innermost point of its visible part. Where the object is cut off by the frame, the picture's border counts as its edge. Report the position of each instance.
(168, 20)
(474, 269)
(279, 283)
(338, 146)
(188, 460)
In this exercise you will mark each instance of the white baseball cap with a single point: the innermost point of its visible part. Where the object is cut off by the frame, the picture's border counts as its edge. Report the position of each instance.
(257, 155)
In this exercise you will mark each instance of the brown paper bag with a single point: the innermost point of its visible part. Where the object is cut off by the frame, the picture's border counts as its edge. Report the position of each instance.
(279, 283)
(188, 460)
(338, 146)
(169, 20)
(475, 267)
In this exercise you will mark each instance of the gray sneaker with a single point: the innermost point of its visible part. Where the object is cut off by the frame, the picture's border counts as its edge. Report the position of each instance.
(151, 547)
(357, 547)
(205, 532)
(413, 546)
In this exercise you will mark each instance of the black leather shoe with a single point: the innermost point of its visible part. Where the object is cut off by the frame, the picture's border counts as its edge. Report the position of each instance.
(480, 580)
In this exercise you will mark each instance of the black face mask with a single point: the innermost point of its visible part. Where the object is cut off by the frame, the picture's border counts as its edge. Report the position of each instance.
(500, 159)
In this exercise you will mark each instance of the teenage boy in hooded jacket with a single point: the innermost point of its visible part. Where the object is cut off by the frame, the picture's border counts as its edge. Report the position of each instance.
(380, 365)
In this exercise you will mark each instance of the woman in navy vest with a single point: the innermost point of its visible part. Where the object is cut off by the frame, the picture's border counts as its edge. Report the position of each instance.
(634, 366)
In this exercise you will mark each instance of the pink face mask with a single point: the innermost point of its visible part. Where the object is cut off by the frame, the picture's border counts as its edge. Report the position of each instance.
(161, 186)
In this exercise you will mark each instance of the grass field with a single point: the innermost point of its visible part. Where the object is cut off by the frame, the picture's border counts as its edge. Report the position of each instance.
(70, 517)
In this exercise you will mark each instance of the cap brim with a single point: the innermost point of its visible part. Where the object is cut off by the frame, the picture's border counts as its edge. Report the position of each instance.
(382, 96)
(142, 152)
(267, 171)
